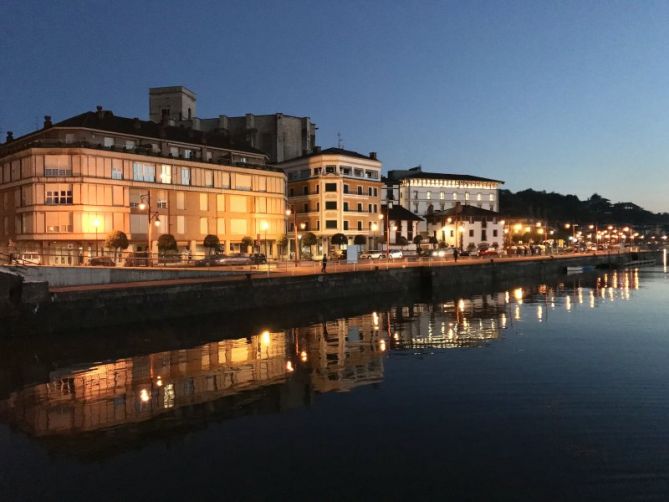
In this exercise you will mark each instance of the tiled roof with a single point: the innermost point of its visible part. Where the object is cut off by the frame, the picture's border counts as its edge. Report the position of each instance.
(332, 151)
(401, 213)
(445, 176)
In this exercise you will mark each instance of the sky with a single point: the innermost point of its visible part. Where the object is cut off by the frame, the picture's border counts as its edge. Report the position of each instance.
(559, 96)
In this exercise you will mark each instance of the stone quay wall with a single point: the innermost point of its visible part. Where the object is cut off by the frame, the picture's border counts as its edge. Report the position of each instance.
(87, 309)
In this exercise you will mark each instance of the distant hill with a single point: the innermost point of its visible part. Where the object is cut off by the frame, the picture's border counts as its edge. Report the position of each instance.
(557, 207)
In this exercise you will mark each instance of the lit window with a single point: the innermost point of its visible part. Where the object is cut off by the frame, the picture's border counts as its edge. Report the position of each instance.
(185, 176)
(166, 173)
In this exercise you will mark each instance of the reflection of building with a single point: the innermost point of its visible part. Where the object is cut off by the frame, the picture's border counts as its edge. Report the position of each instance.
(69, 184)
(336, 191)
(344, 354)
(141, 388)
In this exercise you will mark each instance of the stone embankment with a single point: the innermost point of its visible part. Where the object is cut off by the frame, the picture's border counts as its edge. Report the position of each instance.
(29, 307)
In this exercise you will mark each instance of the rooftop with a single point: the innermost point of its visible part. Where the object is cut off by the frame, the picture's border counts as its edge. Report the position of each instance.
(464, 211)
(335, 151)
(448, 176)
(398, 212)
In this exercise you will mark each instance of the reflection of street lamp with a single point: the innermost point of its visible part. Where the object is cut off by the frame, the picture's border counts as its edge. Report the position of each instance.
(96, 224)
(151, 216)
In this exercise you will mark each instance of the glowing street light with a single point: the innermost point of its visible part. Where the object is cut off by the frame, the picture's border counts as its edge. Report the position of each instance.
(96, 224)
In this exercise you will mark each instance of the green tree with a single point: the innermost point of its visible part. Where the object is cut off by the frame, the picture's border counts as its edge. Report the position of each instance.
(309, 239)
(117, 240)
(360, 240)
(417, 240)
(246, 242)
(211, 242)
(282, 242)
(401, 240)
(166, 242)
(433, 239)
(339, 239)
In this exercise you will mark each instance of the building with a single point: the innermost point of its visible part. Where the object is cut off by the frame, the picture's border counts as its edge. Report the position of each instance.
(281, 137)
(400, 223)
(335, 191)
(422, 192)
(466, 227)
(66, 186)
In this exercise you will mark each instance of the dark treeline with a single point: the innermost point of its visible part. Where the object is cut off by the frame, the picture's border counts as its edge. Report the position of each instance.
(555, 207)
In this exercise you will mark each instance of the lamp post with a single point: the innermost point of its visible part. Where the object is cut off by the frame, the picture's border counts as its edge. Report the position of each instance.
(96, 224)
(264, 226)
(388, 208)
(155, 217)
(291, 211)
(374, 227)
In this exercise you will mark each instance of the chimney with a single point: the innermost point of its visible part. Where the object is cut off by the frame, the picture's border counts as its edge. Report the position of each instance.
(165, 117)
(99, 111)
(317, 149)
(47, 121)
(10, 137)
(372, 155)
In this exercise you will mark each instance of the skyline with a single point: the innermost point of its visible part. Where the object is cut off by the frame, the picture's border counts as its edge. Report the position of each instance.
(564, 98)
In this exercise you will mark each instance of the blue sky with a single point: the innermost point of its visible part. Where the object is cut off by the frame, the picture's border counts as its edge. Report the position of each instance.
(562, 96)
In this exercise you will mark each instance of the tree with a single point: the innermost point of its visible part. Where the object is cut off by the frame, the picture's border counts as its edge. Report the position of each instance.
(360, 240)
(339, 239)
(247, 242)
(442, 245)
(282, 242)
(117, 240)
(211, 242)
(401, 240)
(166, 242)
(417, 240)
(309, 239)
(433, 239)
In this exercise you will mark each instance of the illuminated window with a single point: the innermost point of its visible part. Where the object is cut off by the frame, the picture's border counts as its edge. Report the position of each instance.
(185, 175)
(166, 173)
(442, 195)
(455, 196)
(117, 169)
(466, 195)
(143, 172)
(478, 196)
(428, 195)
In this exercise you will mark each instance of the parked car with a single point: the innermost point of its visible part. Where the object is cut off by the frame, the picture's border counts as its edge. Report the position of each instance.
(372, 255)
(137, 259)
(442, 253)
(101, 261)
(396, 253)
(213, 260)
(488, 252)
(258, 258)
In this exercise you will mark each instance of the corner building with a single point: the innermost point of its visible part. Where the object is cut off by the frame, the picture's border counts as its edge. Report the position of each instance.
(65, 187)
(335, 191)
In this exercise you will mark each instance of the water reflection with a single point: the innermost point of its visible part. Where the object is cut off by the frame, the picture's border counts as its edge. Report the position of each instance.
(274, 370)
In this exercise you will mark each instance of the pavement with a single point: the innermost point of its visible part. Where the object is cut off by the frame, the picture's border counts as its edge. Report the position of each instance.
(290, 269)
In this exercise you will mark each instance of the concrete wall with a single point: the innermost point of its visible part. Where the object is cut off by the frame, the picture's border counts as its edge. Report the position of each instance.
(76, 276)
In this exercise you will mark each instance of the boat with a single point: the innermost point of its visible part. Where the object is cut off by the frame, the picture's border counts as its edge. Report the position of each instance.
(579, 269)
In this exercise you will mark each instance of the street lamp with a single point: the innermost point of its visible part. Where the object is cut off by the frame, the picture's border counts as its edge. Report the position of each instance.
(388, 208)
(145, 203)
(96, 224)
(291, 211)
(264, 226)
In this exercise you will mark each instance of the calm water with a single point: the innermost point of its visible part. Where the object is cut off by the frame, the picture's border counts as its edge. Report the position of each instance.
(549, 391)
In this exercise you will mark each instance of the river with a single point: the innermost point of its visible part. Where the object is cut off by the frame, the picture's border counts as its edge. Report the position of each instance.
(554, 390)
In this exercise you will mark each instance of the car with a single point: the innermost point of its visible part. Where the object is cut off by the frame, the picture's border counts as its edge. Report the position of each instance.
(442, 253)
(258, 258)
(372, 255)
(488, 252)
(216, 260)
(396, 254)
(101, 261)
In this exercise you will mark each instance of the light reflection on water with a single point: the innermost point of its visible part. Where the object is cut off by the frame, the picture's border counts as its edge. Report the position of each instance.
(274, 371)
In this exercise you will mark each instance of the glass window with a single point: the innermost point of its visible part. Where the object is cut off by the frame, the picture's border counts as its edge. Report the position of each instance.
(360, 225)
(58, 195)
(345, 225)
(117, 169)
(428, 195)
(345, 188)
(345, 206)
(331, 224)
(166, 173)
(108, 142)
(331, 204)
(185, 175)
(143, 172)
(330, 187)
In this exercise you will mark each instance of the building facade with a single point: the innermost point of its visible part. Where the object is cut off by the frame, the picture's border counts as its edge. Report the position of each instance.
(65, 187)
(335, 191)
(280, 136)
(467, 227)
(422, 192)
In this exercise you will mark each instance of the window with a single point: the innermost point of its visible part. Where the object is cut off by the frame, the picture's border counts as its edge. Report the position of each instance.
(208, 178)
(369, 191)
(360, 225)
(345, 188)
(359, 207)
(54, 165)
(428, 195)
(466, 195)
(345, 225)
(108, 142)
(478, 196)
(180, 200)
(494, 232)
(306, 208)
(359, 190)
(318, 206)
(330, 187)
(375, 192)
(318, 188)
(345, 206)
(491, 197)
(455, 196)
(166, 173)
(330, 169)
(376, 208)
(471, 232)
(204, 202)
(204, 227)
(117, 169)
(161, 204)
(188, 154)
(58, 222)
(305, 190)
(345, 170)
(484, 235)
(143, 172)
(369, 208)
(58, 195)
(292, 192)
(331, 224)
(442, 195)
(330, 204)
(185, 175)
(174, 151)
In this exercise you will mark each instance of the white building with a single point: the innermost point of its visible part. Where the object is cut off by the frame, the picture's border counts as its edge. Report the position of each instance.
(466, 227)
(423, 193)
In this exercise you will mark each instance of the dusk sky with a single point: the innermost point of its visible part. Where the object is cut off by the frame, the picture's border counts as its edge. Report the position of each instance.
(559, 96)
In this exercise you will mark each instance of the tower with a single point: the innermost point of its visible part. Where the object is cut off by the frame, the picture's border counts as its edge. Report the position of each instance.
(174, 103)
